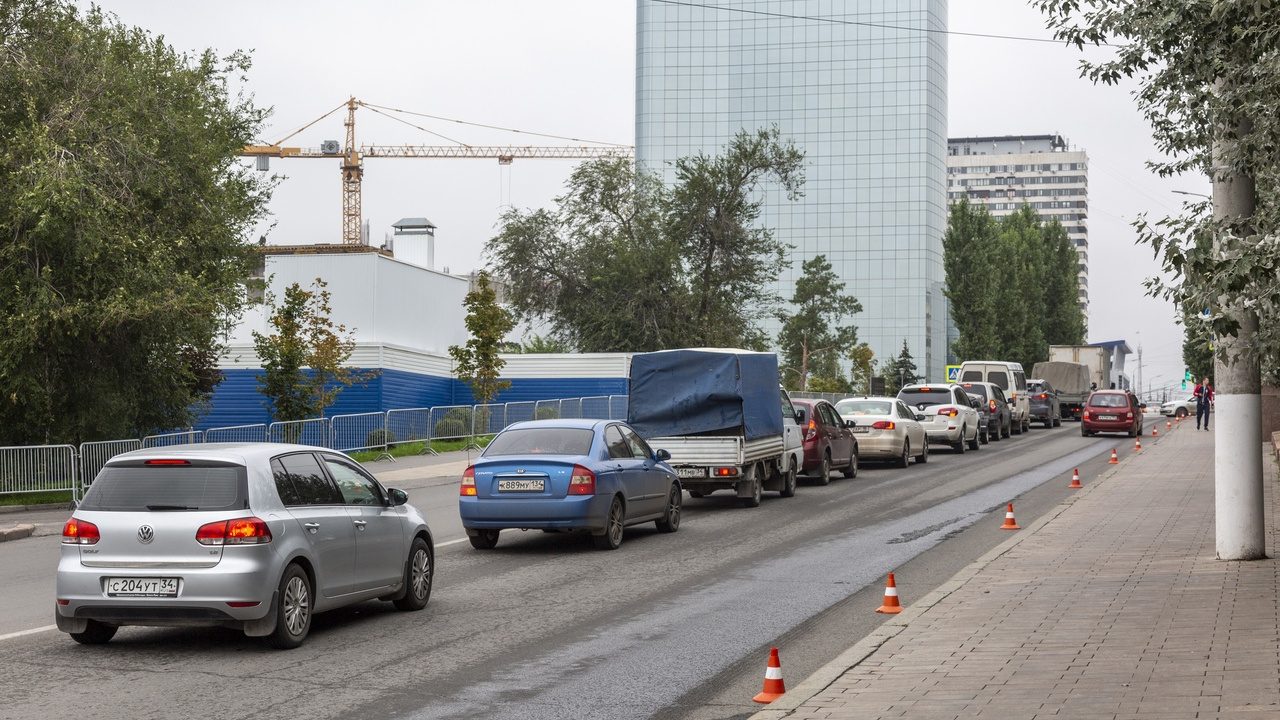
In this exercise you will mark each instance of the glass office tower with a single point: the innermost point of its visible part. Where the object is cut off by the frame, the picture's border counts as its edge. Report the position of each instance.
(861, 87)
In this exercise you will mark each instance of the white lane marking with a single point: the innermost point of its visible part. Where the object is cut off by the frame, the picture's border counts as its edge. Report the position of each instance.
(32, 631)
(451, 542)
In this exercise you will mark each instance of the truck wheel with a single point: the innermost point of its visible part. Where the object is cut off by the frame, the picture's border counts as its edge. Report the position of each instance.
(824, 471)
(789, 484)
(757, 491)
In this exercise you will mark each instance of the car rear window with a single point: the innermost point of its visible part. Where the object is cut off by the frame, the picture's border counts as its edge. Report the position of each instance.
(977, 391)
(139, 488)
(541, 441)
(850, 408)
(925, 396)
(1109, 401)
(1035, 387)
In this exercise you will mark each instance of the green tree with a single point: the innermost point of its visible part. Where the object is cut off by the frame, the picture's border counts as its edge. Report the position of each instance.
(863, 364)
(1021, 329)
(900, 371)
(477, 363)
(812, 340)
(1197, 346)
(302, 358)
(1064, 321)
(123, 208)
(624, 264)
(539, 344)
(976, 278)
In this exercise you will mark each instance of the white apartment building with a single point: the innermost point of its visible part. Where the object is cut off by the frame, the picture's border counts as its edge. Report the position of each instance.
(1002, 173)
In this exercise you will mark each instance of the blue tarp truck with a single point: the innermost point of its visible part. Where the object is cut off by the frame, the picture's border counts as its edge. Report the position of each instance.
(722, 415)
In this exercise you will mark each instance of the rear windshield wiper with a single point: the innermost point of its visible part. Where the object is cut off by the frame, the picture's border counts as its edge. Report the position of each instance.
(169, 507)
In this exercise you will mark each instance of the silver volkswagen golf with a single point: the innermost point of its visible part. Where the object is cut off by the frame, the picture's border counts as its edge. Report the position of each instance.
(256, 536)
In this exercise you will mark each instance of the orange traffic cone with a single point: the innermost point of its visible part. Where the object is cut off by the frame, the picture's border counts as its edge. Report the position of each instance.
(1155, 430)
(1137, 443)
(1075, 480)
(1168, 425)
(890, 605)
(773, 687)
(1114, 460)
(1009, 522)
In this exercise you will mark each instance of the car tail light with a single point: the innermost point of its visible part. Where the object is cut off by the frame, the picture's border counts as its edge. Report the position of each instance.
(1041, 396)
(240, 531)
(724, 472)
(79, 532)
(812, 431)
(992, 407)
(583, 481)
(1084, 415)
(468, 487)
(1128, 416)
(884, 425)
(949, 412)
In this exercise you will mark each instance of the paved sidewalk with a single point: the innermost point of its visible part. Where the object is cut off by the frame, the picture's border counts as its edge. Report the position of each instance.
(1112, 606)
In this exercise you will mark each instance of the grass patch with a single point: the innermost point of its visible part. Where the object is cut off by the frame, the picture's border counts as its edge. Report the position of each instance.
(416, 448)
(43, 497)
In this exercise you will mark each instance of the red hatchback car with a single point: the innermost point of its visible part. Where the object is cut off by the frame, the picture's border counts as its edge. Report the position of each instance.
(1111, 411)
(828, 441)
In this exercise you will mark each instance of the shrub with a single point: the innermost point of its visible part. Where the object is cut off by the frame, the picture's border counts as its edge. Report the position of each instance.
(455, 423)
(547, 413)
(380, 437)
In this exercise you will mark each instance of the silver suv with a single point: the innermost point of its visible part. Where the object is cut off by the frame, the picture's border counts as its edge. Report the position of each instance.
(256, 536)
(949, 415)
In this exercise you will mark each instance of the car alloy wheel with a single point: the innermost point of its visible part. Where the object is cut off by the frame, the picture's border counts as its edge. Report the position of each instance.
(670, 521)
(293, 609)
(611, 538)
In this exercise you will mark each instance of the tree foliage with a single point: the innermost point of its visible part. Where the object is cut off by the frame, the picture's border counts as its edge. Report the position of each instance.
(477, 362)
(1207, 73)
(303, 356)
(812, 339)
(626, 264)
(1012, 284)
(1197, 346)
(900, 371)
(123, 208)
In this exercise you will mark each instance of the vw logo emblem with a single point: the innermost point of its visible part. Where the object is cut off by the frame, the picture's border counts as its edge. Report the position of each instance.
(146, 534)
(519, 471)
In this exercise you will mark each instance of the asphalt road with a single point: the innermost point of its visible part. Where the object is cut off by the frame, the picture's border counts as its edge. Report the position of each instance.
(544, 626)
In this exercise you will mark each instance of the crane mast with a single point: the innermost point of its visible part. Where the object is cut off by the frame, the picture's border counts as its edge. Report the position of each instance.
(352, 158)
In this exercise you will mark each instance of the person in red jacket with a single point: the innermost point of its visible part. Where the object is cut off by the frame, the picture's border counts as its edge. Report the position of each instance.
(1204, 401)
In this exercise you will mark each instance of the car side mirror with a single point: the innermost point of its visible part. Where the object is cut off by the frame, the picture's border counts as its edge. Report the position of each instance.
(661, 455)
(800, 417)
(398, 496)
(850, 423)
(973, 403)
(920, 417)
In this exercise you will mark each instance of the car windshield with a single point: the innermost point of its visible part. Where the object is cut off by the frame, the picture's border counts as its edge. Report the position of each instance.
(918, 397)
(139, 488)
(541, 441)
(848, 408)
(1109, 401)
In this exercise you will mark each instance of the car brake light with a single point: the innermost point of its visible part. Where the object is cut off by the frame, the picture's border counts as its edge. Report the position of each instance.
(884, 425)
(812, 431)
(468, 487)
(240, 531)
(79, 532)
(1041, 396)
(992, 406)
(724, 471)
(583, 481)
(166, 461)
(949, 412)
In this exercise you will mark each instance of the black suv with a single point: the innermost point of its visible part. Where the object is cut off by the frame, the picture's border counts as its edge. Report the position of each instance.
(1044, 403)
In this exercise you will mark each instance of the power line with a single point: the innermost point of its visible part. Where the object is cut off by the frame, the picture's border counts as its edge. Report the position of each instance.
(833, 21)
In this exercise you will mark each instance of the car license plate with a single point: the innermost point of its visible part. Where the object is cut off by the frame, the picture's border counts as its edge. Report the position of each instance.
(691, 472)
(861, 429)
(142, 587)
(520, 486)
(1106, 417)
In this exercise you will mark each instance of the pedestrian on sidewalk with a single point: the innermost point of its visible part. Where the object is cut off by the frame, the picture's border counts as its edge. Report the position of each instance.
(1204, 401)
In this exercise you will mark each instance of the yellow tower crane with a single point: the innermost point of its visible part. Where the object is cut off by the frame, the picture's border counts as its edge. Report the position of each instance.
(352, 158)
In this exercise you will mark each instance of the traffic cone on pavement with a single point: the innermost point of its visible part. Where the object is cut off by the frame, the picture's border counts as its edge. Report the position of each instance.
(1137, 443)
(1155, 430)
(1075, 480)
(890, 605)
(1114, 460)
(773, 686)
(1009, 522)
(1168, 425)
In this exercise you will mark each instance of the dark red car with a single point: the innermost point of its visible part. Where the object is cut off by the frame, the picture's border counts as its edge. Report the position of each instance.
(1111, 411)
(828, 441)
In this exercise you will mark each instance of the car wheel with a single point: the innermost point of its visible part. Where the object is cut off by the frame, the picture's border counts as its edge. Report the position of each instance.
(1181, 413)
(293, 609)
(1141, 429)
(851, 471)
(959, 445)
(1015, 427)
(905, 460)
(1006, 430)
(670, 521)
(924, 451)
(789, 484)
(1133, 433)
(417, 577)
(973, 444)
(986, 436)
(95, 633)
(824, 470)
(757, 492)
(484, 539)
(1057, 422)
(611, 538)
(1083, 432)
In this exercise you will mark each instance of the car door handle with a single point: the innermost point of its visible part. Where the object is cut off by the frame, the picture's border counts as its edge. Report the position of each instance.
(359, 523)
(312, 527)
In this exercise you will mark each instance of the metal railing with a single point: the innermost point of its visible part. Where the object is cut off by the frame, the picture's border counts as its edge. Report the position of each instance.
(65, 467)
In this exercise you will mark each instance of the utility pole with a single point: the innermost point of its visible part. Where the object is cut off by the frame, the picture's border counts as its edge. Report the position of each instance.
(1237, 458)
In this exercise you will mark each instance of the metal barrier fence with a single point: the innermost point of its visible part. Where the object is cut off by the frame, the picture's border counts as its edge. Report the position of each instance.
(37, 468)
(93, 455)
(411, 425)
(452, 422)
(186, 437)
(237, 433)
(361, 431)
(301, 432)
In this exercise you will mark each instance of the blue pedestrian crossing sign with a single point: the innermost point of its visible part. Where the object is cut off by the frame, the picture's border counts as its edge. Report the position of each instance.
(953, 373)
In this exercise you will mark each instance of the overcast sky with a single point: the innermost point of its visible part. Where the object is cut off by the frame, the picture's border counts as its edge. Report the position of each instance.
(567, 68)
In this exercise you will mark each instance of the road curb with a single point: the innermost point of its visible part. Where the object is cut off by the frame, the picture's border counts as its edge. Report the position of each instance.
(17, 532)
(824, 676)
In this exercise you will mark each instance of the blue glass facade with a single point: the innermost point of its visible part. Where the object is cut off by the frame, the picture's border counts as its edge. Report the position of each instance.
(861, 87)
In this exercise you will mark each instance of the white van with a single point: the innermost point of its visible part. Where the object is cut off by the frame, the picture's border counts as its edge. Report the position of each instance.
(1009, 377)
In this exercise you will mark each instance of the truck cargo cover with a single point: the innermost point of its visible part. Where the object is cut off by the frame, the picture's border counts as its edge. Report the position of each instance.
(1071, 378)
(704, 391)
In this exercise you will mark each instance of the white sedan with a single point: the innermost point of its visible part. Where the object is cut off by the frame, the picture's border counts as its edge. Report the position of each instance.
(885, 429)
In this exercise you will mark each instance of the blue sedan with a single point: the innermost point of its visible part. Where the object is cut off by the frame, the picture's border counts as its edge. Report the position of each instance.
(594, 475)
